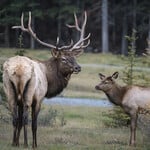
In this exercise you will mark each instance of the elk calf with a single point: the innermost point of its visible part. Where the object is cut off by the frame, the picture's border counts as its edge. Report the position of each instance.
(27, 81)
(132, 99)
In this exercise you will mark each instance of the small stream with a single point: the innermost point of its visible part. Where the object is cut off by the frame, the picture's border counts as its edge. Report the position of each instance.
(77, 102)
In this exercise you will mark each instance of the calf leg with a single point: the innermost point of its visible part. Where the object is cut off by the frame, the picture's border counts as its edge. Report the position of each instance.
(134, 117)
(35, 112)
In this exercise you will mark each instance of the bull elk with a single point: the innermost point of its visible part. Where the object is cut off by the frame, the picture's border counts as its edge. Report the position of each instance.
(27, 81)
(132, 99)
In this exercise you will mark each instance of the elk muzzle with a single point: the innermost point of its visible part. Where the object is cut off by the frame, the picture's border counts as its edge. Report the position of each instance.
(97, 87)
(76, 69)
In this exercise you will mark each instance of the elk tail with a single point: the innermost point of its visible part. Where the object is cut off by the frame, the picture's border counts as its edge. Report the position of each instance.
(19, 89)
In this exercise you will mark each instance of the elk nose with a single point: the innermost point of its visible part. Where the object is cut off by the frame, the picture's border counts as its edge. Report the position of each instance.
(97, 87)
(77, 69)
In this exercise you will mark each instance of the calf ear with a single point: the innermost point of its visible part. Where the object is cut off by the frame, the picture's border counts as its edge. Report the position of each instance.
(115, 75)
(101, 76)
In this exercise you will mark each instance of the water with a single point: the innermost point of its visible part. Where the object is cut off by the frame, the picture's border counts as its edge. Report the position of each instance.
(77, 102)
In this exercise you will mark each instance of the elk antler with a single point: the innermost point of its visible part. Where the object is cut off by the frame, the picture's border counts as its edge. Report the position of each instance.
(80, 44)
(30, 31)
(71, 47)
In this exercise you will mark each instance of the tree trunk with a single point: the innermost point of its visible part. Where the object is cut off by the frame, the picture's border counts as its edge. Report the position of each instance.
(149, 30)
(105, 44)
(124, 33)
(134, 18)
(76, 34)
(6, 36)
(148, 40)
(134, 14)
(114, 32)
(59, 27)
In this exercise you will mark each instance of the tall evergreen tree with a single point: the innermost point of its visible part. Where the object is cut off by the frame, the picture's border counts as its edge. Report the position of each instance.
(105, 43)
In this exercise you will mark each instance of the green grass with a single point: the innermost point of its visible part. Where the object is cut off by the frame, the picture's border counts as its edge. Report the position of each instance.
(84, 130)
(82, 84)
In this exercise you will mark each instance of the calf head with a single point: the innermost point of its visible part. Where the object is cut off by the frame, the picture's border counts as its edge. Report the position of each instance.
(107, 82)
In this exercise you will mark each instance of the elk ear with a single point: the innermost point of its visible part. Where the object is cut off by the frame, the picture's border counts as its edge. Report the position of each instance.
(101, 76)
(77, 53)
(115, 75)
(55, 53)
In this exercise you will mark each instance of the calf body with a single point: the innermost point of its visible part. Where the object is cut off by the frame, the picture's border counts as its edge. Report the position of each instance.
(132, 99)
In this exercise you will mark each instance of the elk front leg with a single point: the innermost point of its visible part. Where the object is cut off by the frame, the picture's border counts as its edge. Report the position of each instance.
(35, 112)
(134, 117)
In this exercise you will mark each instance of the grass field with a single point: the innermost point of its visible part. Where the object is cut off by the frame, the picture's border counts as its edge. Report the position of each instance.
(82, 85)
(84, 130)
(84, 127)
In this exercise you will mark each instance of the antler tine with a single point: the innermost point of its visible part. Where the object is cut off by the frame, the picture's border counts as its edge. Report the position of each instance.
(80, 43)
(83, 26)
(76, 23)
(22, 25)
(71, 47)
(84, 39)
(30, 31)
(34, 35)
(68, 46)
(63, 47)
(82, 46)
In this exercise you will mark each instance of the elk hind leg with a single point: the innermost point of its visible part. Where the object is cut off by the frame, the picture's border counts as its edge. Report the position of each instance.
(15, 124)
(20, 119)
(25, 123)
(35, 112)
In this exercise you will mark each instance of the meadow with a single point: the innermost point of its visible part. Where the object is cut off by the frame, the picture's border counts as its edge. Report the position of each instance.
(78, 128)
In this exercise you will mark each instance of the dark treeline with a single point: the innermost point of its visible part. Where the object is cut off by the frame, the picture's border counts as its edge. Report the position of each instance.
(109, 21)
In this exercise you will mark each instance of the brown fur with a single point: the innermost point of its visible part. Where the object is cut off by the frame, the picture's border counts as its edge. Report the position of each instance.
(27, 82)
(38, 79)
(116, 95)
(56, 80)
(132, 99)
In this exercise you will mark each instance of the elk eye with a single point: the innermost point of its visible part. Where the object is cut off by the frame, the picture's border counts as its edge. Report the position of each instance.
(64, 60)
(106, 82)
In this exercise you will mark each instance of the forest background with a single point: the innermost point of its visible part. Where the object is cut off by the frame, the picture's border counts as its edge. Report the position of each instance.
(108, 22)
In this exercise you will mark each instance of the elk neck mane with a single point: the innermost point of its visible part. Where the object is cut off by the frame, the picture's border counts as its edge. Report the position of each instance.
(116, 94)
(56, 80)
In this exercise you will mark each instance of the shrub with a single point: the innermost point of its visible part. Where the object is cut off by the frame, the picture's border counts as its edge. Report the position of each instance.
(116, 118)
(21, 51)
(131, 60)
(51, 117)
(2, 93)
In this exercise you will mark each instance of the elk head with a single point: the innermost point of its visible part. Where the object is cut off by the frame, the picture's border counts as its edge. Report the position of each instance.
(107, 83)
(65, 55)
